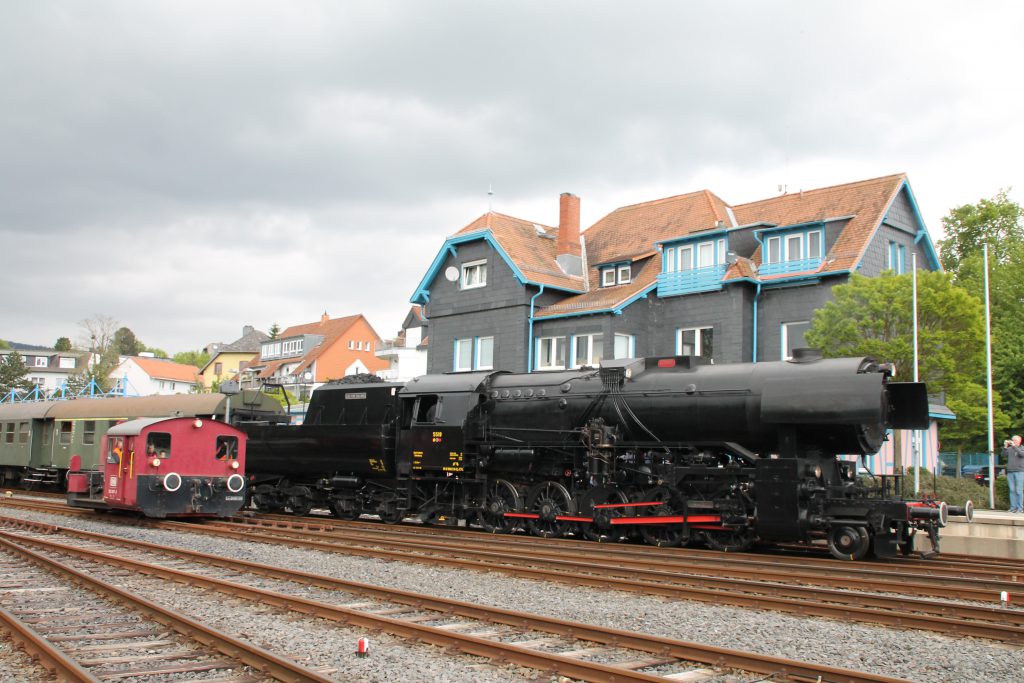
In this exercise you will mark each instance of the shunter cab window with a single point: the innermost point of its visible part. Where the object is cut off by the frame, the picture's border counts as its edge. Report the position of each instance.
(227, 447)
(115, 449)
(158, 444)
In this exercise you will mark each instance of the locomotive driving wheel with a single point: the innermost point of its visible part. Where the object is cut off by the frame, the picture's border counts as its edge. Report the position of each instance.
(661, 535)
(264, 499)
(300, 501)
(601, 529)
(502, 497)
(848, 542)
(549, 500)
(729, 540)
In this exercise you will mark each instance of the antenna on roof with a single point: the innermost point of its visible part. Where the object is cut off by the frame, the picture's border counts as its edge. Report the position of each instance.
(490, 197)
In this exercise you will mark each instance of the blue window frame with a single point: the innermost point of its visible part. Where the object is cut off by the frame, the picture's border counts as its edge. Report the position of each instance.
(792, 251)
(691, 266)
(897, 258)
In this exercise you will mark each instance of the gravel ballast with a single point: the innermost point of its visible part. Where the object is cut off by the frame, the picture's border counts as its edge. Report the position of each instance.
(914, 655)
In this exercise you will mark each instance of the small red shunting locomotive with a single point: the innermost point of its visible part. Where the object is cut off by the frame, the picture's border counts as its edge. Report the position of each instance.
(165, 467)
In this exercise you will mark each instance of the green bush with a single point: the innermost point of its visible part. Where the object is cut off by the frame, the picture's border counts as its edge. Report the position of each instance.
(957, 490)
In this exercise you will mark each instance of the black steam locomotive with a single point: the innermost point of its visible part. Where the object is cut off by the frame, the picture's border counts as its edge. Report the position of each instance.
(669, 450)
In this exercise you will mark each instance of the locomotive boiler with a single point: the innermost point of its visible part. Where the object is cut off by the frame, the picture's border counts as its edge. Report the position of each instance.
(667, 450)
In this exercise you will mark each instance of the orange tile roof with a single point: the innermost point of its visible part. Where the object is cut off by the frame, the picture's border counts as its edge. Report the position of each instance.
(534, 254)
(161, 368)
(866, 201)
(631, 232)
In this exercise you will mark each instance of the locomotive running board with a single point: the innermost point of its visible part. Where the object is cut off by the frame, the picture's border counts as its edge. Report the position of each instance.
(692, 519)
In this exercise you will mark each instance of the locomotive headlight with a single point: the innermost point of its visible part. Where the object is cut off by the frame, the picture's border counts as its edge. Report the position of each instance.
(198, 423)
(817, 471)
(155, 462)
(234, 464)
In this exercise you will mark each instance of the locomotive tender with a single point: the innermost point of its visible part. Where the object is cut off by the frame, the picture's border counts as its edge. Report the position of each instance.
(667, 449)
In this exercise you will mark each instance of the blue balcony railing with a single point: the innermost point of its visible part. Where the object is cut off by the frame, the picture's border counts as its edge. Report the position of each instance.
(797, 266)
(691, 281)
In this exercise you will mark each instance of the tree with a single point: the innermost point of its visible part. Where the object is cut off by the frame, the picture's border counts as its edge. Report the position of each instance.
(98, 334)
(4, 344)
(998, 222)
(127, 343)
(196, 358)
(873, 317)
(13, 373)
(275, 330)
(62, 344)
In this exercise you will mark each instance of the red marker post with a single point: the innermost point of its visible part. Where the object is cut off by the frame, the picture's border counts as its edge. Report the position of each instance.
(363, 647)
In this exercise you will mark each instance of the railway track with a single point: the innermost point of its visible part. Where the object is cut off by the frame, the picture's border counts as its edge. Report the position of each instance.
(745, 581)
(581, 651)
(82, 629)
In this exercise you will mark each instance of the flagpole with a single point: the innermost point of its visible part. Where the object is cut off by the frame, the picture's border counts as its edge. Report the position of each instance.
(988, 372)
(915, 446)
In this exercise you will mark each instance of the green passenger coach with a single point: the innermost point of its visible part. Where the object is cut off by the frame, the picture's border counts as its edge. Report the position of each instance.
(37, 440)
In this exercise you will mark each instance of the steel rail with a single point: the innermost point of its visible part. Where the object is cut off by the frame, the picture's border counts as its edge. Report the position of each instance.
(238, 650)
(48, 655)
(681, 572)
(504, 652)
(990, 623)
(807, 558)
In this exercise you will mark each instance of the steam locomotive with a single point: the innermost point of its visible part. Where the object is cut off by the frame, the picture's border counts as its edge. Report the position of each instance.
(667, 450)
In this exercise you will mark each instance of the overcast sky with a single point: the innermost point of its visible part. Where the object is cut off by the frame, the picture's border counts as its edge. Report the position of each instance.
(191, 167)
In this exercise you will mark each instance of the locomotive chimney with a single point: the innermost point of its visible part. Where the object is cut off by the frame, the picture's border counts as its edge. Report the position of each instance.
(567, 248)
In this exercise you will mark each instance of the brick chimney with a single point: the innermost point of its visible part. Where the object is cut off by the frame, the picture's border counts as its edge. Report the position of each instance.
(324, 318)
(568, 224)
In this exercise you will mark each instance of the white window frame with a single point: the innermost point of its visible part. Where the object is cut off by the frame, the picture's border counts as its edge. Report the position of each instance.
(821, 244)
(698, 351)
(545, 363)
(721, 252)
(705, 254)
(625, 274)
(784, 349)
(480, 365)
(798, 239)
(42, 362)
(66, 363)
(684, 262)
(588, 340)
(776, 243)
(669, 259)
(630, 340)
(468, 270)
(607, 277)
(459, 345)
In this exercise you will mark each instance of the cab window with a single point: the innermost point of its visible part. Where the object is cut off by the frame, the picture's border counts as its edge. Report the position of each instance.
(227, 447)
(158, 444)
(115, 449)
(428, 408)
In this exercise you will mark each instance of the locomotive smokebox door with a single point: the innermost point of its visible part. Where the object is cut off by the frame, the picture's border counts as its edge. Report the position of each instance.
(778, 507)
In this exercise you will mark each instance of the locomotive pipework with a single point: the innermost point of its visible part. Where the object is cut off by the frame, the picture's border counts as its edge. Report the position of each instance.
(668, 450)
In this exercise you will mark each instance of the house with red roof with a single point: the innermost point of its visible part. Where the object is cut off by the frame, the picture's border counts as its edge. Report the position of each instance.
(146, 375)
(683, 275)
(302, 357)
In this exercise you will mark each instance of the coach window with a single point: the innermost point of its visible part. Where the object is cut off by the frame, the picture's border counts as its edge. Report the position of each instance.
(158, 443)
(428, 408)
(89, 432)
(23, 432)
(227, 447)
(9, 433)
(67, 428)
